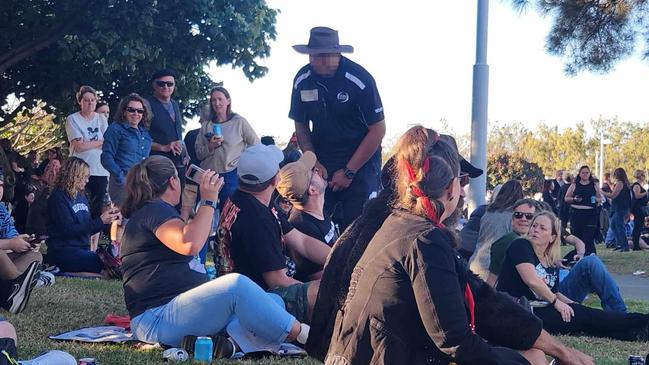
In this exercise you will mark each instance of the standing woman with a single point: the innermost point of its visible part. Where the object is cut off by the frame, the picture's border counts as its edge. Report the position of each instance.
(583, 195)
(221, 153)
(639, 203)
(85, 130)
(548, 192)
(620, 206)
(127, 142)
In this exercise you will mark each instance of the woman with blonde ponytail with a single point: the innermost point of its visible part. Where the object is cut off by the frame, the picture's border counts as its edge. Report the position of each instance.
(171, 300)
(409, 302)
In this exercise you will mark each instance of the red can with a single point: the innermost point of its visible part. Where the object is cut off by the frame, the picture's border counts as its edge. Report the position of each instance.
(88, 361)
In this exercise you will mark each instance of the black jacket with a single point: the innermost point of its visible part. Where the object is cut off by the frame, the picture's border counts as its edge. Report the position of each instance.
(406, 303)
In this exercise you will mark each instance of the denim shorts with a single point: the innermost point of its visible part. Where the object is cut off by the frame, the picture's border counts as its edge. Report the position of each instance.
(295, 299)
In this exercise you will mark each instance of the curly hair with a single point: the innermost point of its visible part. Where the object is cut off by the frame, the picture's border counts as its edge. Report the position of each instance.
(123, 104)
(72, 176)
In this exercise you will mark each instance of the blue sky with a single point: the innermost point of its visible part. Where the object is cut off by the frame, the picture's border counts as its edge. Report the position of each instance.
(421, 54)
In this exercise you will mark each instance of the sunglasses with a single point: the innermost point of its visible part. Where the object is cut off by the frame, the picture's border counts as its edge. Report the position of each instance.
(165, 83)
(519, 215)
(135, 110)
(464, 178)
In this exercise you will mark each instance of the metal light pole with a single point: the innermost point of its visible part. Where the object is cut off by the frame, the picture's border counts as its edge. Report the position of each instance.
(479, 109)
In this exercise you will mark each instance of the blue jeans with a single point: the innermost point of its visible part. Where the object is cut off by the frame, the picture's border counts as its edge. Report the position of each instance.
(619, 229)
(211, 307)
(231, 184)
(589, 275)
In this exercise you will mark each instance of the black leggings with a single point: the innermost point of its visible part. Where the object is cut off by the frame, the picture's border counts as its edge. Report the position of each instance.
(96, 190)
(596, 322)
(583, 224)
(638, 226)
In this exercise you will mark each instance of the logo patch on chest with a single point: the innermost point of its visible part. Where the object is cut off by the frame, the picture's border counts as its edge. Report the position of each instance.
(342, 97)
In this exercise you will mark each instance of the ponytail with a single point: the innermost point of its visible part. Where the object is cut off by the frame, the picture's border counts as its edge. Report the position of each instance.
(146, 182)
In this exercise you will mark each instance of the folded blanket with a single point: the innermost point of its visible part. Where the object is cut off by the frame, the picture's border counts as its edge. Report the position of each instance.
(104, 334)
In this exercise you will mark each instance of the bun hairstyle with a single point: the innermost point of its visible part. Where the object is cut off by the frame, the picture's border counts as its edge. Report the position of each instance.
(83, 90)
(147, 181)
(425, 166)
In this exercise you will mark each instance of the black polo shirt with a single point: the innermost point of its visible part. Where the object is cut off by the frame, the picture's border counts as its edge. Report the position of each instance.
(340, 108)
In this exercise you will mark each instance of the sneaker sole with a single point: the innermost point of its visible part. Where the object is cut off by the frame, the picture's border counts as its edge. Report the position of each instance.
(19, 301)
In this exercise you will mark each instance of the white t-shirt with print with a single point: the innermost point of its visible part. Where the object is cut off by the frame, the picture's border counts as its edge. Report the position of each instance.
(77, 126)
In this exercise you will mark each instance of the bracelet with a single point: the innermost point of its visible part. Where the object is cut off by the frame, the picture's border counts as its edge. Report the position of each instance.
(555, 300)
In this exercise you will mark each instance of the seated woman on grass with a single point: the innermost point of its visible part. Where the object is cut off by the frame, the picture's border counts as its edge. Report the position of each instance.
(531, 269)
(70, 224)
(169, 301)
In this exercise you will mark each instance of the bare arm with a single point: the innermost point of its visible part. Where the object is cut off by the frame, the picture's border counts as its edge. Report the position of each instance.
(160, 147)
(303, 134)
(80, 146)
(579, 244)
(569, 198)
(368, 146)
(307, 246)
(636, 192)
(551, 346)
(536, 284)
(616, 191)
(278, 279)
(188, 239)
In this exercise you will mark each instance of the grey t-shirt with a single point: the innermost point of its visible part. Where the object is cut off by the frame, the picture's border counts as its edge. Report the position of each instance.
(493, 225)
(76, 127)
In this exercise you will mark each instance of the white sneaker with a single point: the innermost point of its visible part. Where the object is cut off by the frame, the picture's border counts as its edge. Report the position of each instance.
(53, 357)
(45, 279)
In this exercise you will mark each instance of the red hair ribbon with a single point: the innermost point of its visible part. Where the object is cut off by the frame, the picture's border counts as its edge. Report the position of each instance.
(431, 212)
(468, 296)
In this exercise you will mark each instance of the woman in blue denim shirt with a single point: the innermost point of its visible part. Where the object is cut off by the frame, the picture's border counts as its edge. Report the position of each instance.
(126, 142)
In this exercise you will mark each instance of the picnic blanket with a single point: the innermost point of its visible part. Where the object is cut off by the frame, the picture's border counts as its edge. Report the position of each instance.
(102, 334)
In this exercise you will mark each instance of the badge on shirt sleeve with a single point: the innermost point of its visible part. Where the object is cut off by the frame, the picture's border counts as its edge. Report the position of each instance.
(309, 95)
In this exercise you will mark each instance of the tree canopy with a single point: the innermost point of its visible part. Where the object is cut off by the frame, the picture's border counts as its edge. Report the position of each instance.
(593, 34)
(49, 48)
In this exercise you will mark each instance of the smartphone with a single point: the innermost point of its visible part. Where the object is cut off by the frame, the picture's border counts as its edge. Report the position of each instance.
(194, 173)
(33, 241)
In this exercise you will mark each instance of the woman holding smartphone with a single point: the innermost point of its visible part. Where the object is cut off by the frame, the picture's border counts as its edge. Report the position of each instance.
(169, 301)
(223, 137)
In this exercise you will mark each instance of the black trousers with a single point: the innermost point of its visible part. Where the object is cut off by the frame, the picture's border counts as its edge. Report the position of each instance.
(596, 322)
(96, 189)
(583, 224)
(638, 226)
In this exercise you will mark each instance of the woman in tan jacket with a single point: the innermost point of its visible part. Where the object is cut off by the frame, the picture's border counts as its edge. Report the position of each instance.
(223, 137)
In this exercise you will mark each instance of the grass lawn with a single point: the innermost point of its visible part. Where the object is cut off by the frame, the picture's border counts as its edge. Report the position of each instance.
(74, 303)
(619, 262)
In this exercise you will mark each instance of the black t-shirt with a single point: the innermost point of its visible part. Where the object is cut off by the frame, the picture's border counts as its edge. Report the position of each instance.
(153, 273)
(521, 251)
(341, 108)
(323, 230)
(250, 239)
(638, 203)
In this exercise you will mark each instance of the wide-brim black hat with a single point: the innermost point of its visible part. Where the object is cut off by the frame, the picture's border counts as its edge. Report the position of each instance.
(323, 40)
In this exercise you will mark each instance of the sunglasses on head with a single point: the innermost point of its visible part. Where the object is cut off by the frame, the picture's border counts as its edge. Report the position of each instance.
(165, 83)
(519, 215)
(134, 110)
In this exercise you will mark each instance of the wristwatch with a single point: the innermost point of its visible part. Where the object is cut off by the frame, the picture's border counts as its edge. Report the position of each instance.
(349, 173)
(210, 203)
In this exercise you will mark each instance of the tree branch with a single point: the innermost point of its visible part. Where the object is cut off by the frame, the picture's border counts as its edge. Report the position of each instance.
(29, 49)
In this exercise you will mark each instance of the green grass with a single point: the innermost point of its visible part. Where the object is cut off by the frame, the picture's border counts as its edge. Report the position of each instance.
(620, 262)
(74, 303)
